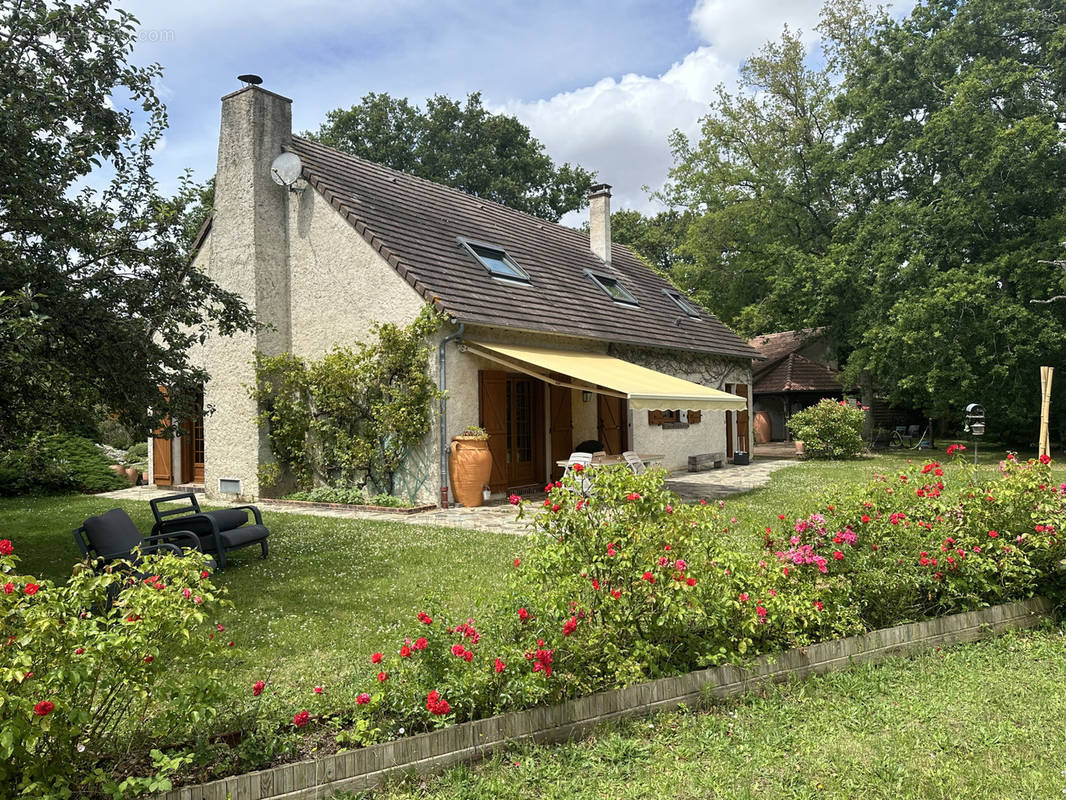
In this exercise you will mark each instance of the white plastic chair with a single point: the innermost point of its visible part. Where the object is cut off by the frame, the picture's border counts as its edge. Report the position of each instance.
(584, 459)
(634, 461)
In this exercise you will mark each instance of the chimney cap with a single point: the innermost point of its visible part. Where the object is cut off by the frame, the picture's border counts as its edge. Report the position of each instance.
(600, 188)
(250, 79)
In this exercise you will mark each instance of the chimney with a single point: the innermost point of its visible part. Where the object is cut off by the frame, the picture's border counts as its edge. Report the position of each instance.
(600, 221)
(247, 253)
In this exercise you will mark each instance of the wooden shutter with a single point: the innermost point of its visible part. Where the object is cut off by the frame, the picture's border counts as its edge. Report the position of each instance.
(561, 421)
(162, 467)
(611, 423)
(492, 398)
(743, 439)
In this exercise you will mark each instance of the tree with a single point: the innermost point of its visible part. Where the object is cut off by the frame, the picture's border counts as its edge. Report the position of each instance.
(493, 156)
(98, 301)
(902, 197)
(656, 239)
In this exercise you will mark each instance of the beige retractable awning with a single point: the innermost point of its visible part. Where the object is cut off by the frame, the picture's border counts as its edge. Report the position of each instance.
(644, 388)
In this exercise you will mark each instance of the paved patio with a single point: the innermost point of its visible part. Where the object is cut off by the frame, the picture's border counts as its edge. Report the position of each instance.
(690, 486)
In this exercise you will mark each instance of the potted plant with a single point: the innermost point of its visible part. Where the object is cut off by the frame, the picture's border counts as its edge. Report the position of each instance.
(470, 465)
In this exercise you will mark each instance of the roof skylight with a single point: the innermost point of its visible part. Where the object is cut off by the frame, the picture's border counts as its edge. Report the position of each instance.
(496, 261)
(682, 303)
(613, 287)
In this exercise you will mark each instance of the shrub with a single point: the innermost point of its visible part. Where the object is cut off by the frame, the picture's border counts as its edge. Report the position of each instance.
(829, 429)
(57, 463)
(97, 673)
(341, 494)
(137, 453)
(114, 434)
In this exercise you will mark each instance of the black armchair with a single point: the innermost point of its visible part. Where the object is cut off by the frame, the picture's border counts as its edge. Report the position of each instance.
(112, 536)
(218, 531)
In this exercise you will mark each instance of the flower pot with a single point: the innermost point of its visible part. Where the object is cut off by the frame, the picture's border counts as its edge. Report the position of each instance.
(470, 466)
(799, 448)
(133, 475)
(119, 470)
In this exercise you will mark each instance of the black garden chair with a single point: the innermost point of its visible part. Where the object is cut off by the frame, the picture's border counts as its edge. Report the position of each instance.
(112, 536)
(218, 531)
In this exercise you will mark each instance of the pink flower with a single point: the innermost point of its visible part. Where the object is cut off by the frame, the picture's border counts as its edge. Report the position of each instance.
(319, 690)
(514, 499)
(301, 719)
(743, 597)
(362, 699)
(257, 688)
(197, 600)
(186, 593)
(9, 587)
(761, 612)
(420, 643)
(468, 656)
(993, 534)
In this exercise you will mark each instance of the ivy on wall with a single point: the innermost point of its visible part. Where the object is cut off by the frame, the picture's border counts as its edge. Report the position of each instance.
(351, 418)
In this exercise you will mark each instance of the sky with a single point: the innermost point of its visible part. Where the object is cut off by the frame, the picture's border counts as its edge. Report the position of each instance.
(600, 83)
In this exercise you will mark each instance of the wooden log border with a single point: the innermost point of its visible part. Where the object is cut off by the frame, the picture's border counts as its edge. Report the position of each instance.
(357, 770)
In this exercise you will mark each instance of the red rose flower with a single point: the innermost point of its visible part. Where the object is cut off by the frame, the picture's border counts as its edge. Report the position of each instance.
(555, 508)
(6, 548)
(578, 467)
(518, 562)
(743, 597)
(865, 518)
(376, 658)
(523, 615)
(257, 688)
(616, 593)
(420, 643)
(514, 499)
(647, 576)
(499, 666)
(362, 699)
(382, 677)
(319, 690)
(44, 708)
(425, 618)
(301, 719)
(405, 652)
(818, 605)
(993, 534)
(691, 581)
(9, 587)
(569, 626)
(838, 555)
(79, 651)
(31, 588)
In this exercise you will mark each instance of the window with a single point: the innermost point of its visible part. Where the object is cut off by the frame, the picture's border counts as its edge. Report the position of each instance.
(495, 260)
(615, 290)
(682, 303)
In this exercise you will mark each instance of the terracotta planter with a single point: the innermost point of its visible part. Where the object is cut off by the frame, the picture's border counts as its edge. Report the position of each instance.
(799, 448)
(133, 475)
(470, 466)
(119, 470)
(763, 427)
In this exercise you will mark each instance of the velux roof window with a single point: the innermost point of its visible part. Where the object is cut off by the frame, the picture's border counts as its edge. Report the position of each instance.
(613, 287)
(682, 303)
(496, 261)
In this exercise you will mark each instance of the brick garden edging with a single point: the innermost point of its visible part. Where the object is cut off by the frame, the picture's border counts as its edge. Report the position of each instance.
(365, 768)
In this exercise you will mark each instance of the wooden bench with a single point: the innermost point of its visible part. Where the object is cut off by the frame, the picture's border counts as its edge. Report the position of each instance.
(705, 461)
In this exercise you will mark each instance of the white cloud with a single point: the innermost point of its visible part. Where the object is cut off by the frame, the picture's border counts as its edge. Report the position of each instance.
(620, 127)
(737, 29)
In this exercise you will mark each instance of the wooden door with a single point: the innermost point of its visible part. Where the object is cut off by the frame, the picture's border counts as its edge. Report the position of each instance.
(512, 413)
(612, 424)
(743, 437)
(192, 446)
(561, 426)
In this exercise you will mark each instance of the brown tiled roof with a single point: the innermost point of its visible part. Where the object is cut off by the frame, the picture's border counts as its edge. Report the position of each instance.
(795, 373)
(778, 345)
(413, 224)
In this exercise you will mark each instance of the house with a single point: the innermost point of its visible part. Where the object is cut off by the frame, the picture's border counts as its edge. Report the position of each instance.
(554, 336)
(798, 371)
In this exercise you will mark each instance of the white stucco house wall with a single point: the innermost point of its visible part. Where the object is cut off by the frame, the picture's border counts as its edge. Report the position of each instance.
(354, 243)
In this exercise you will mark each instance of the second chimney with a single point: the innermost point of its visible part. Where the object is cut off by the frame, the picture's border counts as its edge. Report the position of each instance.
(600, 221)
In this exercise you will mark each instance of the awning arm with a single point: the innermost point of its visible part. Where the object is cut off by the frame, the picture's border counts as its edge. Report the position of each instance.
(528, 370)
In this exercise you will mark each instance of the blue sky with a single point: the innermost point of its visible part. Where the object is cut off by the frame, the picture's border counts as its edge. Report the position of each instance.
(599, 83)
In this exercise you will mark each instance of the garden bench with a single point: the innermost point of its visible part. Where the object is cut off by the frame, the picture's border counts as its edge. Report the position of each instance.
(219, 531)
(705, 461)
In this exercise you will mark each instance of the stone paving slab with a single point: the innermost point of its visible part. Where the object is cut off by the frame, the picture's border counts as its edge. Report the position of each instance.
(689, 486)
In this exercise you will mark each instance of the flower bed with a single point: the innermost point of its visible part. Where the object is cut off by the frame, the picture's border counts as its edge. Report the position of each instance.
(621, 584)
(349, 506)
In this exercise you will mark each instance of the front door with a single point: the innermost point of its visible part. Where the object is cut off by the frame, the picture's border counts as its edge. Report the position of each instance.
(512, 414)
(192, 445)
(612, 425)
(561, 427)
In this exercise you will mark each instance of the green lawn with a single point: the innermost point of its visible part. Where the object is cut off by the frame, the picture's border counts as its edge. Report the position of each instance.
(332, 591)
(985, 720)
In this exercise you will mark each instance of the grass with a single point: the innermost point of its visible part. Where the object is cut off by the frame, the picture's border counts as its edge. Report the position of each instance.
(986, 720)
(332, 591)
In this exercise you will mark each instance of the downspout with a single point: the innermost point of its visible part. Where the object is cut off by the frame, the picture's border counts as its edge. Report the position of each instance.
(443, 386)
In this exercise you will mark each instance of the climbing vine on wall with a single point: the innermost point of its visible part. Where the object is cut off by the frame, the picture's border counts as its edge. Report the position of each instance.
(352, 417)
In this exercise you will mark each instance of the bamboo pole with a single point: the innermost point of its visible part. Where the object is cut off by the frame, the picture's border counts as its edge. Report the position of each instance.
(1045, 402)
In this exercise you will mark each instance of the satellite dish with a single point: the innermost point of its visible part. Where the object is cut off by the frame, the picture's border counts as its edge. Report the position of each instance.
(250, 80)
(286, 169)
